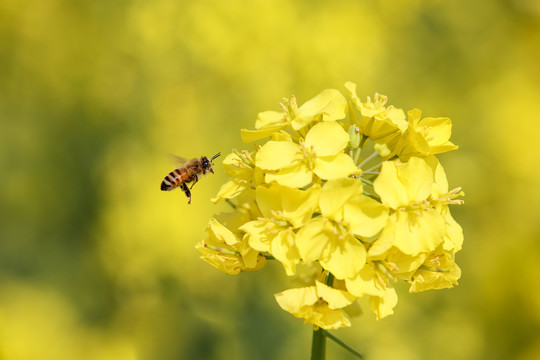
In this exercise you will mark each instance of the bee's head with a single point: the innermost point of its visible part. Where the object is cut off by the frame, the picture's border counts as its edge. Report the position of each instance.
(207, 164)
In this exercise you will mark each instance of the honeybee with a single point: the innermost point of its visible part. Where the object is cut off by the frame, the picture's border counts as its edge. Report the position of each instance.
(189, 173)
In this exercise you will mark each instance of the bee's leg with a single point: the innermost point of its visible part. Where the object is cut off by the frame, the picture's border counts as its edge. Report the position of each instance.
(194, 179)
(185, 189)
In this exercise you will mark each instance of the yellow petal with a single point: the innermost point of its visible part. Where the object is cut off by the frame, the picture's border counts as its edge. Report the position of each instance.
(366, 283)
(229, 264)
(401, 184)
(221, 233)
(259, 233)
(417, 177)
(384, 305)
(335, 298)
(404, 265)
(232, 168)
(397, 116)
(227, 258)
(453, 240)
(285, 251)
(344, 257)
(428, 277)
(236, 218)
(440, 129)
(366, 216)
(252, 258)
(327, 138)
(322, 316)
(268, 118)
(417, 233)
(296, 205)
(414, 116)
(330, 105)
(293, 300)
(429, 135)
(281, 136)
(388, 186)
(253, 135)
(380, 248)
(440, 185)
(312, 238)
(295, 176)
(229, 190)
(334, 167)
(275, 155)
(335, 193)
(351, 89)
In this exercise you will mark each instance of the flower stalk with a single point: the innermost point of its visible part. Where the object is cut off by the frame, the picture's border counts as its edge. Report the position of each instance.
(318, 344)
(342, 344)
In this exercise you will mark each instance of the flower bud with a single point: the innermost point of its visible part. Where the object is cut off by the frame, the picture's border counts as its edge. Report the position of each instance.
(354, 137)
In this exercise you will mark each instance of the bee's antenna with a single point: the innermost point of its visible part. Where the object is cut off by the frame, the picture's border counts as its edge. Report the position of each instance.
(215, 156)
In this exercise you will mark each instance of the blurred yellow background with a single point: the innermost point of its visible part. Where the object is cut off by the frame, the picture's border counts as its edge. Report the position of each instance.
(97, 263)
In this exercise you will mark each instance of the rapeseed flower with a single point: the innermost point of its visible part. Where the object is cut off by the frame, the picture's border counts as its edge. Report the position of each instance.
(319, 154)
(224, 250)
(319, 305)
(274, 231)
(426, 136)
(350, 186)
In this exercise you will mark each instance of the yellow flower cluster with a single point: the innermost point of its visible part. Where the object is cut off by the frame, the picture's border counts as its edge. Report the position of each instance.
(347, 187)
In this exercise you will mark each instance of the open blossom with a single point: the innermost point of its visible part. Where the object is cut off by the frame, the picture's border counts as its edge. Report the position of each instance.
(415, 226)
(240, 166)
(319, 154)
(318, 305)
(227, 252)
(274, 231)
(351, 187)
(384, 125)
(334, 238)
(426, 136)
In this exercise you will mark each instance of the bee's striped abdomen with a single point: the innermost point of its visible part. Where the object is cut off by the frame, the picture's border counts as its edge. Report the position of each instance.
(174, 179)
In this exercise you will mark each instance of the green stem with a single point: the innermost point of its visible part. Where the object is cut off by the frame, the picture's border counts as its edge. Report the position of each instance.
(363, 141)
(434, 269)
(342, 344)
(230, 203)
(222, 250)
(373, 196)
(373, 167)
(329, 279)
(318, 345)
(366, 160)
(366, 181)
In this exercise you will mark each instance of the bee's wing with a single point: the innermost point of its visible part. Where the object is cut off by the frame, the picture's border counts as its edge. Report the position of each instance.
(178, 160)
